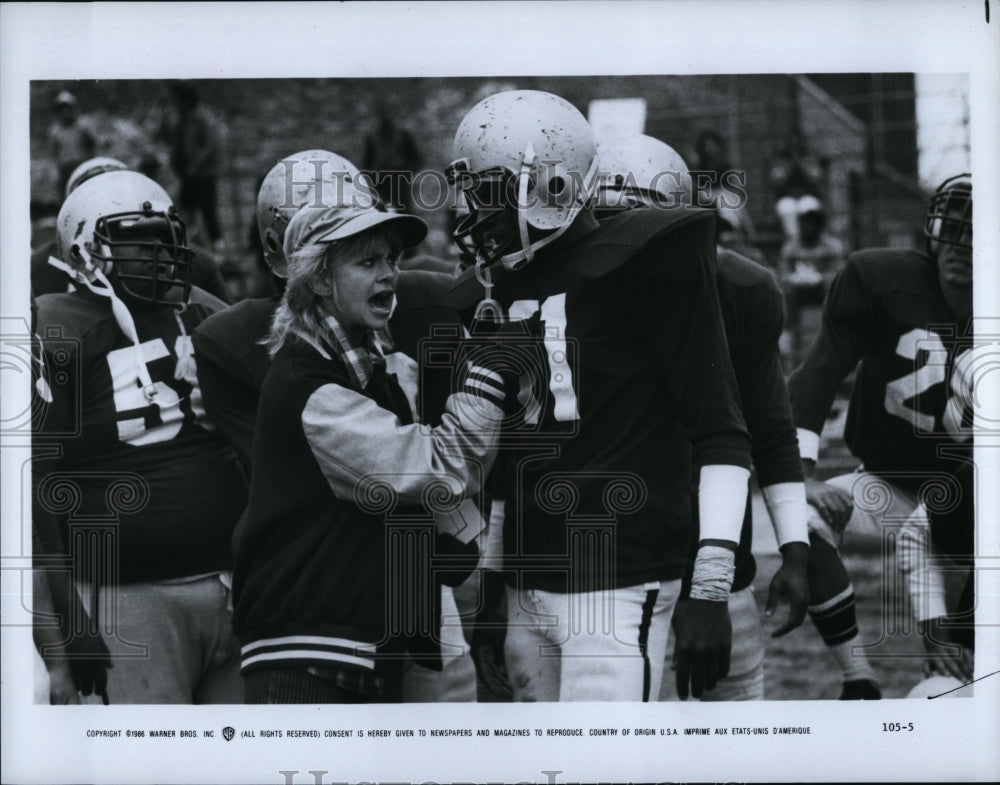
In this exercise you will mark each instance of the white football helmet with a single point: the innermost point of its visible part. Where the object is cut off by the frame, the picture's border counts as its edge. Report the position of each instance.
(124, 218)
(295, 181)
(940, 686)
(92, 168)
(640, 170)
(528, 151)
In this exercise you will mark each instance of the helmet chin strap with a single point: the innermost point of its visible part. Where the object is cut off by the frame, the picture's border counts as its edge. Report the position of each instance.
(523, 178)
(526, 255)
(121, 313)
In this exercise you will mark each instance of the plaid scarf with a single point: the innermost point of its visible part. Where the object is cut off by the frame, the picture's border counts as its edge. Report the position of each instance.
(360, 358)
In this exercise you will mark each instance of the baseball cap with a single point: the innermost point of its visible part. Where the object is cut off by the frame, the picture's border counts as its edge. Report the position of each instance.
(808, 204)
(65, 98)
(346, 218)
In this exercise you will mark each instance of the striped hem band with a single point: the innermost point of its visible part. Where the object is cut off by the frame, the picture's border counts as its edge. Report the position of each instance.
(485, 384)
(311, 648)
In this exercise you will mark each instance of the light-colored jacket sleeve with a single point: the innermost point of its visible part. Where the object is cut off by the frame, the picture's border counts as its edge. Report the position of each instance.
(367, 454)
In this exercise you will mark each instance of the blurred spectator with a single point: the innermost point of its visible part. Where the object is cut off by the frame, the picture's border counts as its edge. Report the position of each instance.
(194, 139)
(734, 231)
(711, 154)
(733, 228)
(392, 155)
(806, 265)
(72, 137)
(795, 175)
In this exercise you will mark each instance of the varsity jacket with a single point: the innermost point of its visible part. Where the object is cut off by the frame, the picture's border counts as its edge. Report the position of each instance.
(333, 565)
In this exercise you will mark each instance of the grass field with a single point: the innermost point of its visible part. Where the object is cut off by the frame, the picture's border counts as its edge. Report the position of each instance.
(798, 667)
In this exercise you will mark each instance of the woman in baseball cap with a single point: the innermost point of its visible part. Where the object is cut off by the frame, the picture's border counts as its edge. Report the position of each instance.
(331, 600)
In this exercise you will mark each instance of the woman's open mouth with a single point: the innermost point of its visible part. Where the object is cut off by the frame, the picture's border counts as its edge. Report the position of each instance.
(381, 303)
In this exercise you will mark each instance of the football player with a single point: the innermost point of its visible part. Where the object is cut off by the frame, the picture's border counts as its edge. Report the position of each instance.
(45, 279)
(232, 362)
(74, 655)
(646, 172)
(623, 363)
(146, 491)
(899, 317)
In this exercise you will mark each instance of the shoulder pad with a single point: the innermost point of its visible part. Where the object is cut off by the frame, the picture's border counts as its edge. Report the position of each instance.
(239, 320)
(72, 312)
(623, 235)
(614, 242)
(895, 258)
(423, 288)
(201, 297)
(428, 263)
(886, 268)
(742, 271)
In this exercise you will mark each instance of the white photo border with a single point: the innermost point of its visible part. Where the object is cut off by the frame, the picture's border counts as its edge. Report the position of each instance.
(954, 740)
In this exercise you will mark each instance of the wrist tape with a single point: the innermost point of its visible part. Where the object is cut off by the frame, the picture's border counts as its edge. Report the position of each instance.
(714, 568)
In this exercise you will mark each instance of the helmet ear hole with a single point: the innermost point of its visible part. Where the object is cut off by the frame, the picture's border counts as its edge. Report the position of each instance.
(271, 241)
(556, 185)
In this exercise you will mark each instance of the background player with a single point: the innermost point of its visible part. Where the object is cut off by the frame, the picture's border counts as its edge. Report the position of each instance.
(146, 492)
(646, 172)
(597, 497)
(232, 362)
(898, 316)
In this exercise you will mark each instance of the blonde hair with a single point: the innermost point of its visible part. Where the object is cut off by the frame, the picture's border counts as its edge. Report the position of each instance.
(301, 309)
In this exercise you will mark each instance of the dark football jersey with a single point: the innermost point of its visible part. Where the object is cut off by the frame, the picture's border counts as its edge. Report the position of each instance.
(154, 476)
(885, 315)
(621, 369)
(232, 364)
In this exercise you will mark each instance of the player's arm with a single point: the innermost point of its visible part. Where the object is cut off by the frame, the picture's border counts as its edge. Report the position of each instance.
(74, 652)
(682, 322)
(230, 399)
(768, 414)
(48, 638)
(847, 326)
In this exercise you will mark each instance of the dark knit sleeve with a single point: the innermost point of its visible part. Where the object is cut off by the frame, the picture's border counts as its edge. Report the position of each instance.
(766, 404)
(677, 304)
(847, 327)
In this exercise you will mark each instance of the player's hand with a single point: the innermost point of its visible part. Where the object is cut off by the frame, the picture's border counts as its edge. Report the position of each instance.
(790, 582)
(487, 654)
(833, 504)
(943, 654)
(62, 689)
(704, 640)
(90, 658)
(489, 635)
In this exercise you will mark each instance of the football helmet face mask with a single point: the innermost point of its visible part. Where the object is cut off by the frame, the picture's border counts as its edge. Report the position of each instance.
(527, 164)
(640, 170)
(949, 215)
(948, 229)
(124, 225)
(311, 177)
